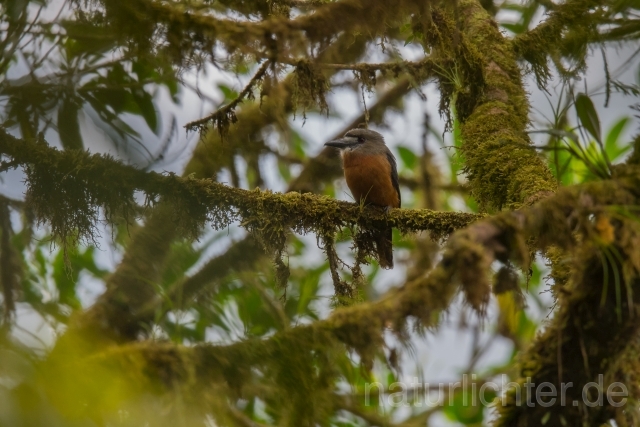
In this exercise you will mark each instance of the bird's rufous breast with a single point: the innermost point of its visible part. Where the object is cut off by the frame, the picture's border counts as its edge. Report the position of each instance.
(369, 178)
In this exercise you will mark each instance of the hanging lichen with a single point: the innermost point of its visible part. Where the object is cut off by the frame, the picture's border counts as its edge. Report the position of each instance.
(309, 88)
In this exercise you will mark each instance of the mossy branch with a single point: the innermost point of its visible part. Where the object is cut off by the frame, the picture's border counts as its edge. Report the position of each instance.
(224, 116)
(503, 168)
(66, 189)
(11, 272)
(301, 3)
(536, 45)
(417, 71)
(597, 317)
(366, 72)
(184, 27)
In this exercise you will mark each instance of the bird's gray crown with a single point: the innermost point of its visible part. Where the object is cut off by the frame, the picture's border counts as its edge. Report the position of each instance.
(367, 134)
(359, 139)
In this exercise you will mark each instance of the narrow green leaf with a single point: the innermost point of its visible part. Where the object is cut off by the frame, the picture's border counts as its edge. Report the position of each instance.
(298, 145)
(588, 116)
(147, 109)
(229, 94)
(514, 28)
(408, 157)
(284, 170)
(68, 125)
(612, 144)
(66, 280)
(462, 410)
(409, 39)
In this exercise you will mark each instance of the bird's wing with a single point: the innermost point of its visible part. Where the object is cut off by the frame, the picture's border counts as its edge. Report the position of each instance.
(394, 175)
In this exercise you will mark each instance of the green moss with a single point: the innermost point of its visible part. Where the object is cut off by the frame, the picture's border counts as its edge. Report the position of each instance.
(596, 316)
(634, 158)
(69, 189)
(560, 266)
(479, 74)
(504, 171)
(559, 36)
(309, 87)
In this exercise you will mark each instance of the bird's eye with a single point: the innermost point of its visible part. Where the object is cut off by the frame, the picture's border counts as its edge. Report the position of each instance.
(360, 139)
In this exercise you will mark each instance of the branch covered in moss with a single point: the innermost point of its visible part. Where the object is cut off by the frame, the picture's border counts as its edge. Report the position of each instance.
(67, 189)
(420, 70)
(301, 3)
(412, 67)
(224, 116)
(587, 340)
(189, 31)
(10, 268)
(536, 45)
(503, 168)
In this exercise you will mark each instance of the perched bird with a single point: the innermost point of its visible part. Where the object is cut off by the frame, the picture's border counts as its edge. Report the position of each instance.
(372, 176)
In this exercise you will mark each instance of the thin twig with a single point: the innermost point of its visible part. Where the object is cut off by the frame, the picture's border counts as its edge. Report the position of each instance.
(364, 66)
(225, 110)
(302, 3)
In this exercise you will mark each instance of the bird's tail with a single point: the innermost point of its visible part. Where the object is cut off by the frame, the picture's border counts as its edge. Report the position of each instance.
(385, 248)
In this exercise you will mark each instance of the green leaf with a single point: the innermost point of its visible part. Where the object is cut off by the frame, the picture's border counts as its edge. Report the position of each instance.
(66, 275)
(527, 12)
(408, 157)
(612, 141)
(514, 28)
(298, 145)
(405, 28)
(65, 282)
(467, 407)
(229, 94)
(309, 286)
(68, 125)
(143, 70)
(284, 170)
(588, 116)
(147, 109)
(409, 39)
(110, 119)
(87, 39)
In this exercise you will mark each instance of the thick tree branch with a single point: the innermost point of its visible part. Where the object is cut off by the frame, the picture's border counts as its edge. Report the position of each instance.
(203, 199)
(586, 342)
(504, 170)
(424, 66)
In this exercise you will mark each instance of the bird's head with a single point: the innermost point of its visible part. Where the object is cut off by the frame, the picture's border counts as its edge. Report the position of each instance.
(364, 140)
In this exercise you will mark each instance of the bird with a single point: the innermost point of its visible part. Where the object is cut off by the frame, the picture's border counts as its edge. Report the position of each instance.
(372, 176)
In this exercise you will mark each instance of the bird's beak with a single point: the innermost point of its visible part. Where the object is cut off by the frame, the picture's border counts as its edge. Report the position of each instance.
(342, 143)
